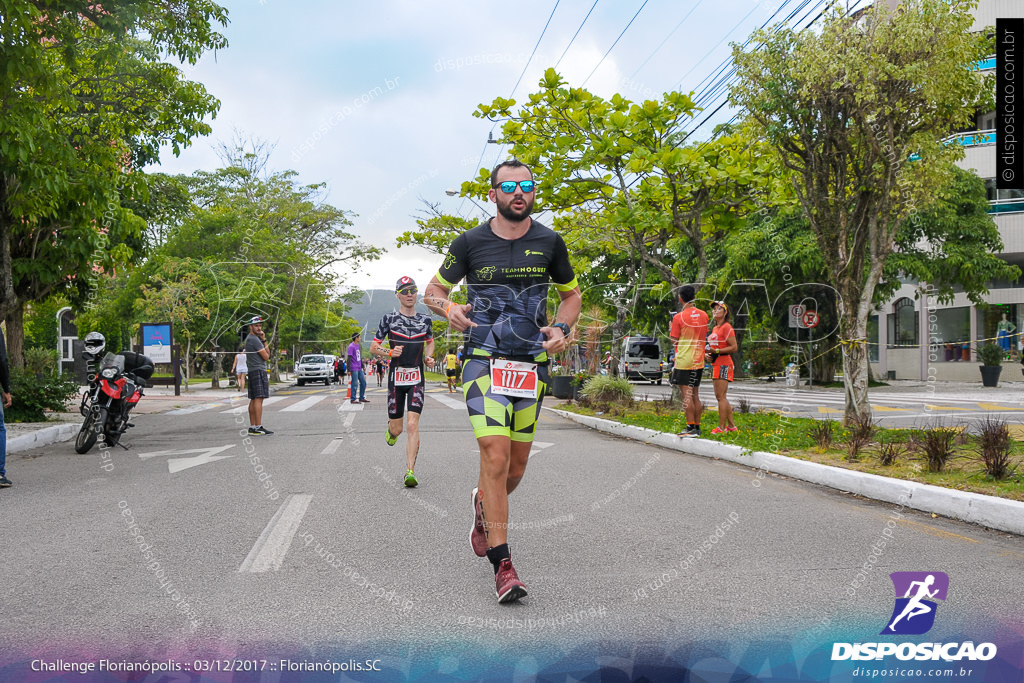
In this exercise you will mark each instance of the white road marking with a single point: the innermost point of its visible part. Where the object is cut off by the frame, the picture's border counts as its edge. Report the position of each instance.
(245, 406)
(348, 405)
(205, 455)
(452, 403)
(195, 409)
(304, 404)
(333, 446)
(538, 446)
(271, 547)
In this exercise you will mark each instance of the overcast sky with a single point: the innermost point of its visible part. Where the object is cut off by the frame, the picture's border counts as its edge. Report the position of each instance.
(376, 98)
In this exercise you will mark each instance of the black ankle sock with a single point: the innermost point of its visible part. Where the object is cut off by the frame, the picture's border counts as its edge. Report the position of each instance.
(497, 554)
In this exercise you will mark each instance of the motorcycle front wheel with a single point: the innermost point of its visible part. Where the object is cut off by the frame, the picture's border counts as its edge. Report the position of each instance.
(87, 434)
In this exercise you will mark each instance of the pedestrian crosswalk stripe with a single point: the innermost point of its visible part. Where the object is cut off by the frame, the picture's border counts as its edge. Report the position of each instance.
(348, 405)
(304, 404)
(195, 409)
(449, 401)
(242, 407)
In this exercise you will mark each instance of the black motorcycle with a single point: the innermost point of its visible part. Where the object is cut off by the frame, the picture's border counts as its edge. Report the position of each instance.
(115, 387)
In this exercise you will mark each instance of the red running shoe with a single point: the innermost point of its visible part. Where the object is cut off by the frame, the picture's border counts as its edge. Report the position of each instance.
(507, 585)
(478, 536)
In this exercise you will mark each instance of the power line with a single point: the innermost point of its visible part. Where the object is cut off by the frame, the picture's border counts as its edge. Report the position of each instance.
(548, 23)
(616, 42)
(516, 86)
(731, 78)
(577, 33)
(752, 10)
(670, 34)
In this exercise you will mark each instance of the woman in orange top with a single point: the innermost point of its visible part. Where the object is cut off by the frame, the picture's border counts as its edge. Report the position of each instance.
(722, 343)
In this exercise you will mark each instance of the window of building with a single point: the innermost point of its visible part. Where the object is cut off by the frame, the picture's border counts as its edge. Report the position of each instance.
(905, 326)
(949, 329)
(1000, 195)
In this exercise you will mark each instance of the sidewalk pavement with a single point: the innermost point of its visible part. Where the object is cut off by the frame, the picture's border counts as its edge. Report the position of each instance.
(989, 511)
(24, 436)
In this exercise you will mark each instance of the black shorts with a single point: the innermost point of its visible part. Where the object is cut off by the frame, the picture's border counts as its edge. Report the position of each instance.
(402, 398)
(687, 378)
(450, 373)
(258, 384)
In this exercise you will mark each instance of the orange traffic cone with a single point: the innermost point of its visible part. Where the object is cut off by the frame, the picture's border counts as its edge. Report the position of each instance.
(348, 393)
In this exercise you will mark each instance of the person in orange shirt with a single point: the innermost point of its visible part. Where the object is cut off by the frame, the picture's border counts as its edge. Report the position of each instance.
(722, 343)
(689, 334)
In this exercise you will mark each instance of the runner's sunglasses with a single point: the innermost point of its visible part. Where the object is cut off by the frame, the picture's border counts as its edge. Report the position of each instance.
(509, 186)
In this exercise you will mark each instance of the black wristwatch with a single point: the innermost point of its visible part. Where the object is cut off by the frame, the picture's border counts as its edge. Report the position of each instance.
(564, 328)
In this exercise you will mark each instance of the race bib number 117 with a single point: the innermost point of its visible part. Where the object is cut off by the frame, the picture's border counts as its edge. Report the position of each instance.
(514, 378)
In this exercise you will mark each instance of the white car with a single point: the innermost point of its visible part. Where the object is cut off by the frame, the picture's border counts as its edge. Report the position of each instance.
(315, 367)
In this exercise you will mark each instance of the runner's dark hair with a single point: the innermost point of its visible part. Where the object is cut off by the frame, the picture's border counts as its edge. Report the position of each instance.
(511, 163)
(687, 293)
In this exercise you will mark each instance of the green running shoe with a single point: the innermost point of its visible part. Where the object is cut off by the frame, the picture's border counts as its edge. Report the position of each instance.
(410, 479)
(389, 437)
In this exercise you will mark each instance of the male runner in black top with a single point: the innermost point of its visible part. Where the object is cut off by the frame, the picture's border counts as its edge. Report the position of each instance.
(508, 264)
(411, 337)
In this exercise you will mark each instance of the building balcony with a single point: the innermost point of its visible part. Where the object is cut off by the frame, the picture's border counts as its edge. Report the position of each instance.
(987, 64)
(974, 138)
(1006, 205)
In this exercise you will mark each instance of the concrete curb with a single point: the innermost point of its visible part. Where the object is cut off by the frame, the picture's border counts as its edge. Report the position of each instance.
(42, 437)
(63, 432)
(989, 511)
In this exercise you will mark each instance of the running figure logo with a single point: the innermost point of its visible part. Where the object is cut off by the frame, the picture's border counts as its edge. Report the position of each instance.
(914, 612)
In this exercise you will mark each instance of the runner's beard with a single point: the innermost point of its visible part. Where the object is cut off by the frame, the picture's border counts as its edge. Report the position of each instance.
(508, 213)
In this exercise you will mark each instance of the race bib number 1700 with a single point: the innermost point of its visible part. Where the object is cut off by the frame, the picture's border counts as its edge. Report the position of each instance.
(514, 378)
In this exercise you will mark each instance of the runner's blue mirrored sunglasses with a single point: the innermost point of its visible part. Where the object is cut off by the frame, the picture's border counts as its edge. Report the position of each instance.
(509, 186)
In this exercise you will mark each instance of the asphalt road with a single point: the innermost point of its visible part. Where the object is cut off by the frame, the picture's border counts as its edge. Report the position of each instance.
(628, 551)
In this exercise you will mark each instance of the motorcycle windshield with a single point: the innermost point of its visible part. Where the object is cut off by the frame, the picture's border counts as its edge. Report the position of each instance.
(113, 361)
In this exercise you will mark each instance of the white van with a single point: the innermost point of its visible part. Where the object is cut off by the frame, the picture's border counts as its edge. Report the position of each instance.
(641, 359)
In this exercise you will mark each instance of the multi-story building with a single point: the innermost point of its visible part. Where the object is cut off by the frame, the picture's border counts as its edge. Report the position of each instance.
(914, 337)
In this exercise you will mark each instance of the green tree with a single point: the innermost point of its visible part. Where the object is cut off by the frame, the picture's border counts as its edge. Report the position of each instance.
(950, 246)
(87, 100)
(248, 241)
(857, 111)
(622, 179)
